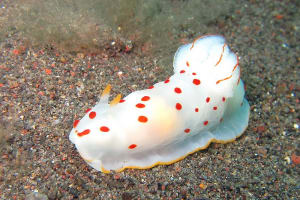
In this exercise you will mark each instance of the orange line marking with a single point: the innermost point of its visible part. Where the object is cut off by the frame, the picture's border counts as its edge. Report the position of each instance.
(203, 36)
(176, 160)
(236, 65)
(224, 79)
(221, 55)
(196, 40)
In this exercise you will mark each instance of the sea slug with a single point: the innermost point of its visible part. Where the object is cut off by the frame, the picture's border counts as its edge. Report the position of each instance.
(202, 102)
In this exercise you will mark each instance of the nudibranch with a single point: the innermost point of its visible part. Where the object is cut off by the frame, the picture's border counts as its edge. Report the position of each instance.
(202, 102)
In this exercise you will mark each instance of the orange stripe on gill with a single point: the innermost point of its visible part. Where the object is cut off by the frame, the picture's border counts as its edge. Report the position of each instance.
(196, 40)
(221, 55)
(203, 36)
(224, 79)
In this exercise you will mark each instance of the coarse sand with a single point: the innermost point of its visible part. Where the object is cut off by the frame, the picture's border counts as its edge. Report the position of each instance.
(43, 90)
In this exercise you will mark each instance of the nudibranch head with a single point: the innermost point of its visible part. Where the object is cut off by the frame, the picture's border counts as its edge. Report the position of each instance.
(90, 134)
(105, 132)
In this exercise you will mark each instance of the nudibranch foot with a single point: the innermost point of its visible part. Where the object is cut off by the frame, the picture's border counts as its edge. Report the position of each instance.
(229, 128)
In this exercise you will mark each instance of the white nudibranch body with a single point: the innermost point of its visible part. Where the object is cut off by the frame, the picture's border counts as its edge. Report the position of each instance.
(202, 102)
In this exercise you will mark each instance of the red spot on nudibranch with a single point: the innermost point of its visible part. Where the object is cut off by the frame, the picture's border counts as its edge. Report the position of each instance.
(194, 73)
(187, 130)
(132, 146)
(104, 129)
(143, 119)
(140, 105)
(196, 109)
(207, 99)
(122, 100)
(178, 106)
(187, 63)
(92, 115)
(205, 123)
(88, 110)
(151, 87)
(223, 99)
(215, 107)
(167, 81)
(75, 123)
(177, 90)
(196, 81)
(85, 132)
(145, 98)
(182, 71)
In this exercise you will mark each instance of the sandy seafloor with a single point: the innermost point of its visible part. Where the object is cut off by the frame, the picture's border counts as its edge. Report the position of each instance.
(43, 91)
